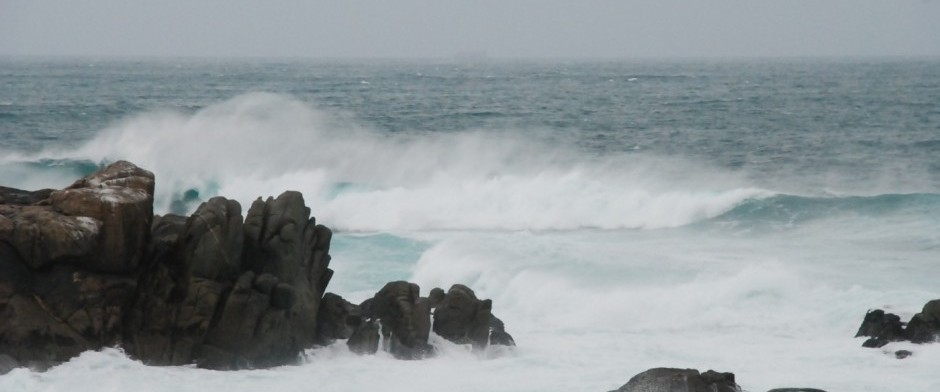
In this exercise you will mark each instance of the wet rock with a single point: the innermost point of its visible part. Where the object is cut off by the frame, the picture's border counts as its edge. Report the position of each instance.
(684, 380)
(405, 320)
(7, 364)
(233, 294)
(901, 354)
(498, 334)
(336, 319)
(924, 327)
(365, 339)
(881, 327)
(462, 318)
(21, 197)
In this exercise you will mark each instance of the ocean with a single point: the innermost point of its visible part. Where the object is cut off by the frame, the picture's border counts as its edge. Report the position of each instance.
(736, 215)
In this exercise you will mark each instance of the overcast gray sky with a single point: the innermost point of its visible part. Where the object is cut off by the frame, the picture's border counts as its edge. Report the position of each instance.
(443, 28)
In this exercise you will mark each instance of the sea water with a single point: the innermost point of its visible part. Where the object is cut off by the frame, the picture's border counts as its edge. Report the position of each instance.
(740, 216)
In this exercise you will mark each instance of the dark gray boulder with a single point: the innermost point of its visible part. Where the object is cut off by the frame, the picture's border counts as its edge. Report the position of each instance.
(404, 318)
(924, 327)
(884, 328)
(680, 380)
(462, 318)
(881, 327)
(365, 339)
(336, 319)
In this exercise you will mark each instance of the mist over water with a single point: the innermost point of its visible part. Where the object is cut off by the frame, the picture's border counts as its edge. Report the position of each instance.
(737, 217)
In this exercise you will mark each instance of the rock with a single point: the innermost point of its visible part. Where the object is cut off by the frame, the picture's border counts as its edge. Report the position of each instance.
(498, 334)
(336, 319)
(213, 241)
(405, 320)
(680, 380)
(120, 197)
(7, 364)
(901, 354)
(365, 339)
(881, 327)
(924, 327)
(462, 318)
(231, 294)
(20, 197)
(69, 264)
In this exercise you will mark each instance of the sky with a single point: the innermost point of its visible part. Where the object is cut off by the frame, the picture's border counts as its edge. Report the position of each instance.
(445, 28)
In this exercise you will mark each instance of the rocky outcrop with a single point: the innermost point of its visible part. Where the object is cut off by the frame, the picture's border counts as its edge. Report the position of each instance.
(68, 263)
(229, 294)
(462, 318)
(680, 380)
(90, 266)
(404, 319)
(883, 328)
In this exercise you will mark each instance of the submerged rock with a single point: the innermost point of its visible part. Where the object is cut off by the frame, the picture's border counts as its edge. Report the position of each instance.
(680, 380)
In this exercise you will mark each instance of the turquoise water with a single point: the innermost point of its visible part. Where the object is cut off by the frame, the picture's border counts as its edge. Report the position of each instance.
(734, 215)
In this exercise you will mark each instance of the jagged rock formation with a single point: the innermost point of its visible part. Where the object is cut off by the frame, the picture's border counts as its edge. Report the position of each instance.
(462, 318)
(90, 266)
(684, 380)
(405, 319)
(883, 328)
(227, 294)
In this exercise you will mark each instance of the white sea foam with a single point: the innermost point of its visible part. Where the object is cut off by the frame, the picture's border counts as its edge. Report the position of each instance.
(356, 179)
(589, 308)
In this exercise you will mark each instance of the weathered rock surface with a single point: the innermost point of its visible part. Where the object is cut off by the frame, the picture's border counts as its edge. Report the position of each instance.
(405, 319)
(90, 266)
(227, 294)
(883, 328)
(462, 318)
(14, 196)
(680, 380)
(67, 264)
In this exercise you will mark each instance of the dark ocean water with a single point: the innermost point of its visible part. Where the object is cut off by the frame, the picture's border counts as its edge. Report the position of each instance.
(859, 119)
(736, 215)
